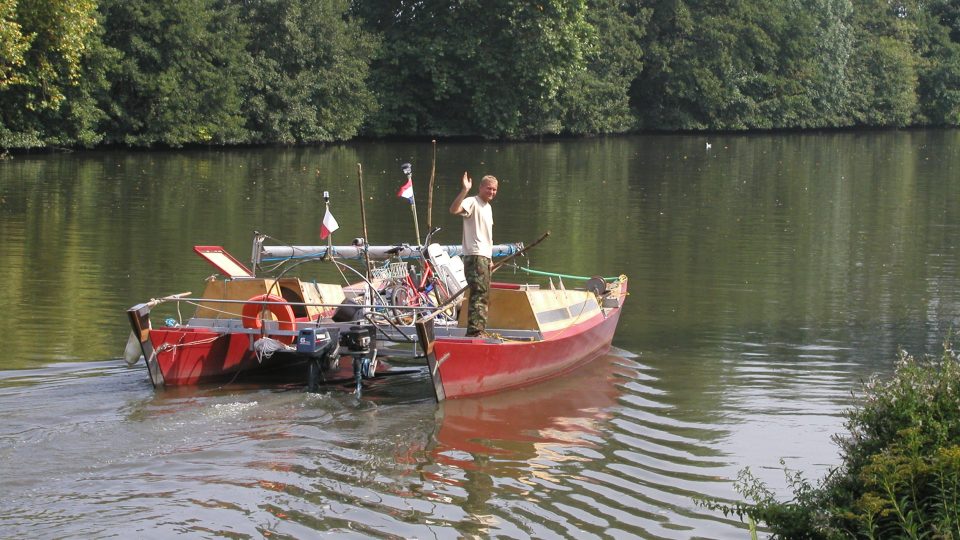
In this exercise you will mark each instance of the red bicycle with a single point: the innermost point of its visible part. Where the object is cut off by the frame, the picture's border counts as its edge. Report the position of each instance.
(411, 293)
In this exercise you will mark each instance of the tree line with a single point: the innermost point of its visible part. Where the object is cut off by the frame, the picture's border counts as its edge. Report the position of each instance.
(82, 73)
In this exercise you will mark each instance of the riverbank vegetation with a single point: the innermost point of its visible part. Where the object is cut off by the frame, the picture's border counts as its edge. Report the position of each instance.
(899, 475)
(181, 72)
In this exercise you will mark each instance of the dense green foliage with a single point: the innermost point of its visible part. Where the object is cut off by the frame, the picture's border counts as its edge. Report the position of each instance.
(177, 72)
(42, 46)
(307, 82)
(495, 68)
(178, 80)
(900, 470)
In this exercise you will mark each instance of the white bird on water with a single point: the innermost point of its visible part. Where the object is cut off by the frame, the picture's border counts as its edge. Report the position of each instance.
(709, 146)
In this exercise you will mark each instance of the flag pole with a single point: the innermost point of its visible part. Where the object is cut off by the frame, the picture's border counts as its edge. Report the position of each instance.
(363, 218)
(326, 202)
(416, 226)
(433, 175)
(408, 170)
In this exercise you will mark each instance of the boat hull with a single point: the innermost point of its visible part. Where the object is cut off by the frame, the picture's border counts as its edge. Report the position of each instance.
(479, 366)
(190, 356)
(193, 356)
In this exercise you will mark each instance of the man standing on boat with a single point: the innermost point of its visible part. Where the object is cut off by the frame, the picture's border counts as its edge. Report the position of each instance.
(477, 213)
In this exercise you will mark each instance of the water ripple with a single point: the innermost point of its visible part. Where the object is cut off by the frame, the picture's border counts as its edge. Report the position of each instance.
(619, 460)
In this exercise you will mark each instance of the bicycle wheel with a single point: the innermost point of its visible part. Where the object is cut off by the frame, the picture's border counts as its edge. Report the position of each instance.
(401, 297)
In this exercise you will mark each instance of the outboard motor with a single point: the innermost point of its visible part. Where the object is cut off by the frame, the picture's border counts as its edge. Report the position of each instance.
(312, 340)
(360, 341)
(322, 347)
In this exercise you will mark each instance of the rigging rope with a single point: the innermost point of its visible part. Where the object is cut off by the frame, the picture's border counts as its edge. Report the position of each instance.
(568, 276)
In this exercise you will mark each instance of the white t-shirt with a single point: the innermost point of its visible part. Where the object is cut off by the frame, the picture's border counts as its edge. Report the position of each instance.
(477, 227)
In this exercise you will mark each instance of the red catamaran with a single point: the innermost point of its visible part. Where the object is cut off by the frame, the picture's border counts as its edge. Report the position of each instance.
(289, 328)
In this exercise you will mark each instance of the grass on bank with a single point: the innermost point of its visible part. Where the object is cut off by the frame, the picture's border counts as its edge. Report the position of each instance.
(899, 475)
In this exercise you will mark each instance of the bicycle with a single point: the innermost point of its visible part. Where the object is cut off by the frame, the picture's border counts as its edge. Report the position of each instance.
(390, 276)
(411, 293)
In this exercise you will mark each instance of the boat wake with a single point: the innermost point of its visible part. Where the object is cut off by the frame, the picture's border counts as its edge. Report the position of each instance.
(623, 353)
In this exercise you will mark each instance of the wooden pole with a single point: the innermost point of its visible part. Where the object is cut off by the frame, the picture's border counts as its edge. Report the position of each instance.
(433, 176)
(416, 225)
(363, 219)
(408, 171)
(521, 252)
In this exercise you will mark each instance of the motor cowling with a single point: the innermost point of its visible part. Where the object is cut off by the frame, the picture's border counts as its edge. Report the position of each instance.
(358, 339)
(348, 312)
(359, 342)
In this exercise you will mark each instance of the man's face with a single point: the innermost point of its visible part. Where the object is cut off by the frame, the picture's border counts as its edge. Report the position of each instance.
(488, 190)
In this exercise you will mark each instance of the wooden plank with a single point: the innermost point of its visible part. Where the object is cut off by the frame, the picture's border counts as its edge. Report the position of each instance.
(225, 263)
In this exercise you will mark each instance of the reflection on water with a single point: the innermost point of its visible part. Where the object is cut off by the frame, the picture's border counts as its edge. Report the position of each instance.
(769, 275)
(91, 449)
(527, 442)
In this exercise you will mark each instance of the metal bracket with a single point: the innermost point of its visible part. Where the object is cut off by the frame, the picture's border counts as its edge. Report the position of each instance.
(437, 365)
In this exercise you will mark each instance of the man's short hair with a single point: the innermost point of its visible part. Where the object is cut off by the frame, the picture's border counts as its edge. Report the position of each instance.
(488, 179)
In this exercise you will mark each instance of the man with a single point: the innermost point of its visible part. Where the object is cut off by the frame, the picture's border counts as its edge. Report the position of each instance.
(477, 213)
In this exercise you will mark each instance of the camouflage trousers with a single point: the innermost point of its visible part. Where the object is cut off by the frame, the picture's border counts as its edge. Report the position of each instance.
(477, 271)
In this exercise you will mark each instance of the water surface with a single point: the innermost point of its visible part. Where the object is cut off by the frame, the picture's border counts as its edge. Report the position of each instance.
(769, 275)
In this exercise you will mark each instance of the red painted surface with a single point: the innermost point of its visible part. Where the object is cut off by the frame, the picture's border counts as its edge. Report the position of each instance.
(475, 367)
(189, 356)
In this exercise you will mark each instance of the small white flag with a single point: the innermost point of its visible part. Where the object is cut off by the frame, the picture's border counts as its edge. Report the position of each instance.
(328, 226)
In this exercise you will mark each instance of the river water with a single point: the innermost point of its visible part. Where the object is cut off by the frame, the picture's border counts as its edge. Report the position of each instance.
(769, 275)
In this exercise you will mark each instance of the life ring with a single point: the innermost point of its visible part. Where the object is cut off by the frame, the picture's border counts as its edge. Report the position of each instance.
(253, 309)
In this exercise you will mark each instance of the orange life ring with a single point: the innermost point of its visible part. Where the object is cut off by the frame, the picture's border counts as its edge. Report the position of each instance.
(253, 309)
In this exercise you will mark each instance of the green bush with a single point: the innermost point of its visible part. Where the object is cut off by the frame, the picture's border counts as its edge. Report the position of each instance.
(899, 475)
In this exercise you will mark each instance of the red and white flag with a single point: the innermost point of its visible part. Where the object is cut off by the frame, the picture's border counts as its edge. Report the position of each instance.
(406, 191)
(328, 226)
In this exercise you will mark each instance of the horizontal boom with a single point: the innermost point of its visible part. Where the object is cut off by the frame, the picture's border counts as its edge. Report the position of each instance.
(274, 253)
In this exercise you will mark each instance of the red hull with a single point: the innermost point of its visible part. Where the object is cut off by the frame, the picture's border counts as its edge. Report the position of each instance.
(476, 367)
(188, 356)
(191, 356)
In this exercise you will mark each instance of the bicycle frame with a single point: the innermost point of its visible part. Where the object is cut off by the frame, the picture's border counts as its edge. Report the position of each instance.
(413, 291)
